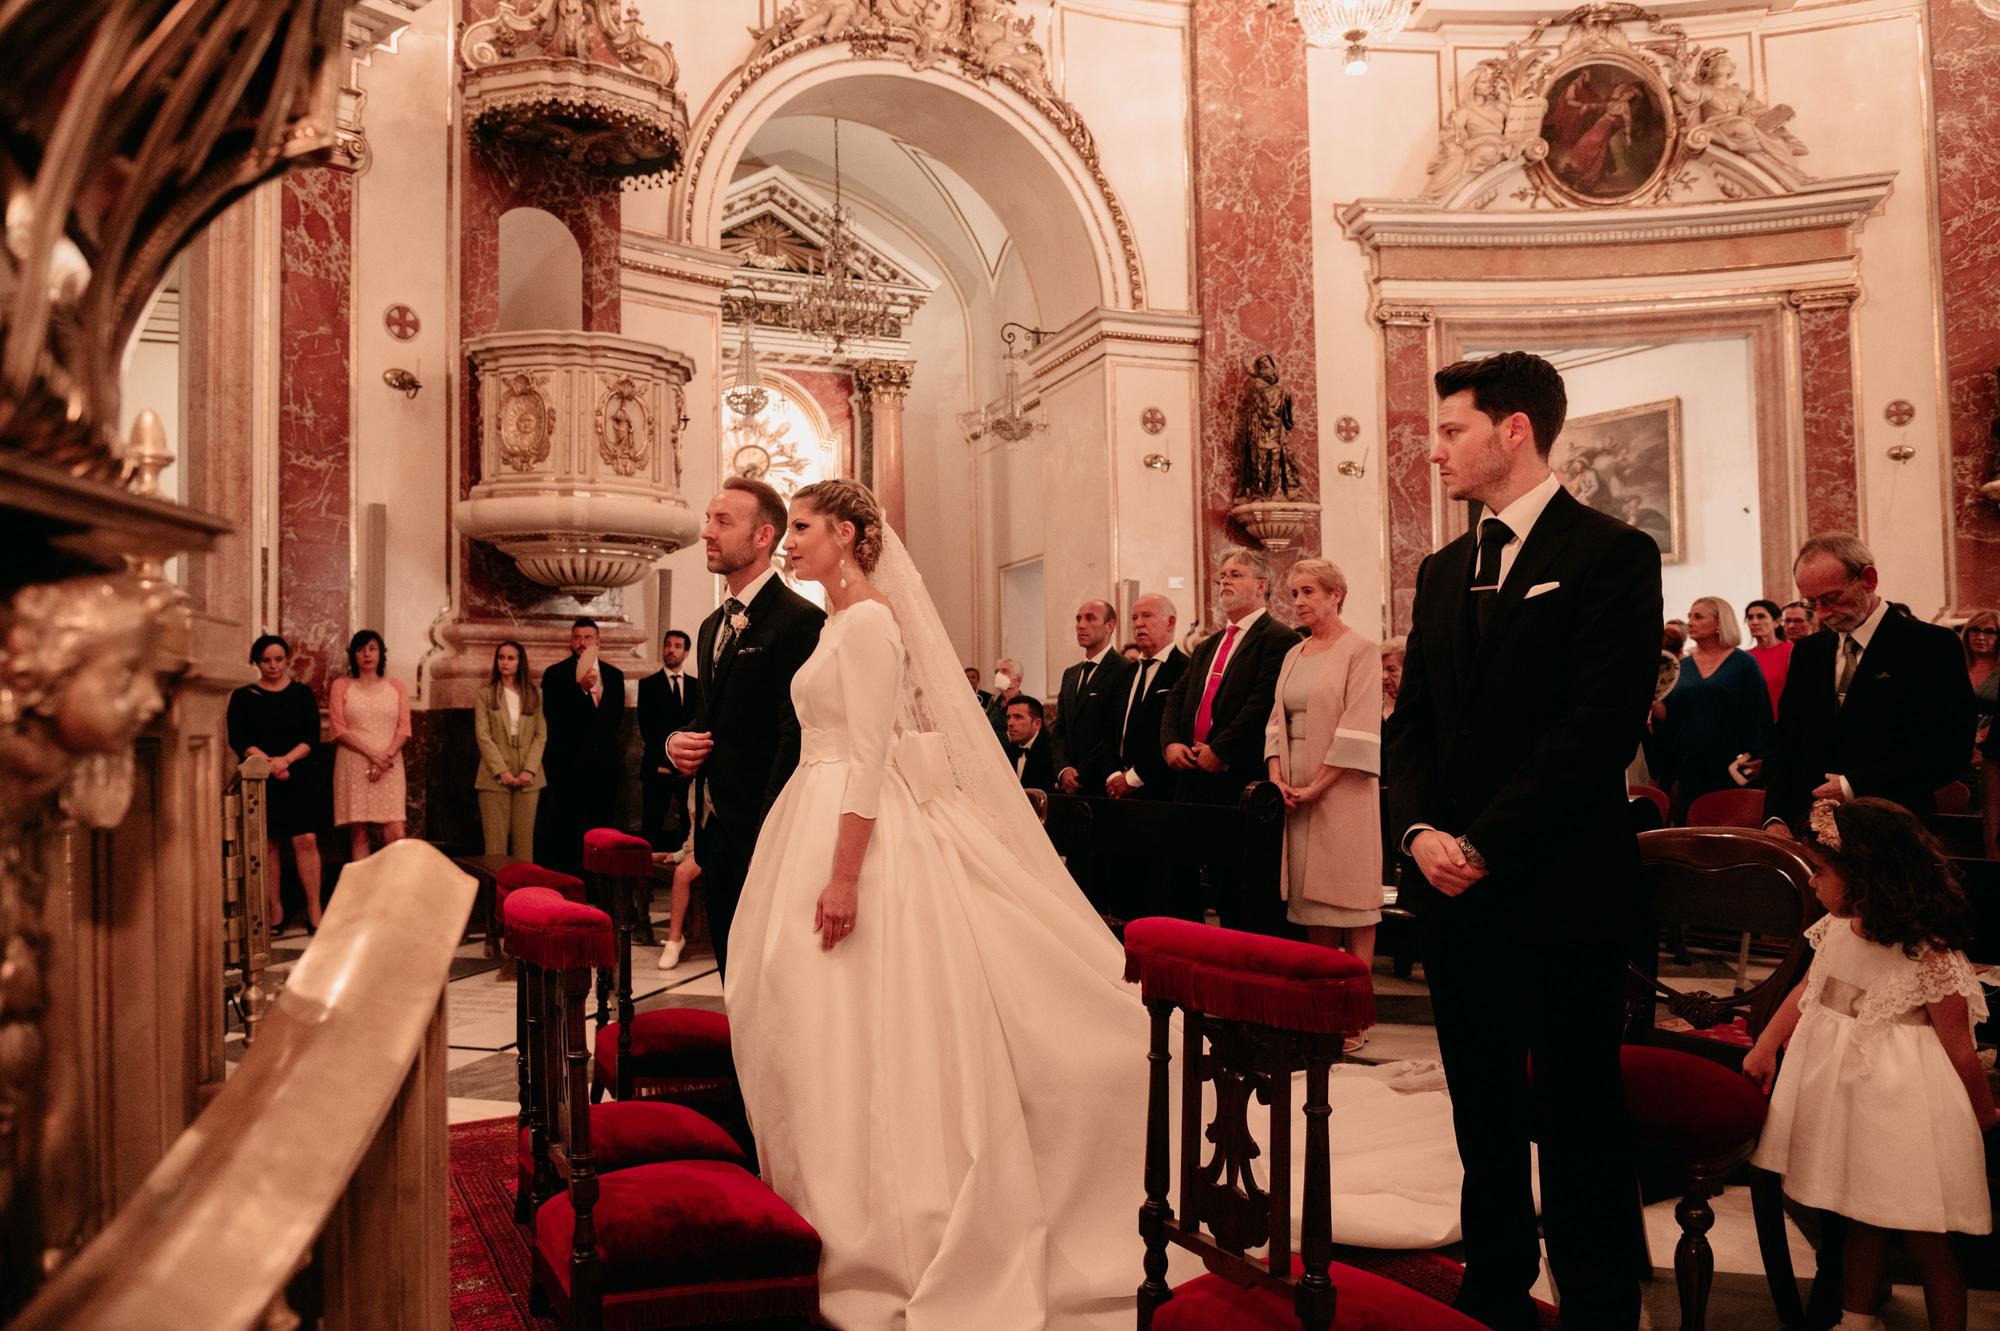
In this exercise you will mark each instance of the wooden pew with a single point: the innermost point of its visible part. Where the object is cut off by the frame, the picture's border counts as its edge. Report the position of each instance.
(1134, 858)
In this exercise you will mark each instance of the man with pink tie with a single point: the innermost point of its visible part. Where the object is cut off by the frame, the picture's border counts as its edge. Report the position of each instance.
(1212, 732)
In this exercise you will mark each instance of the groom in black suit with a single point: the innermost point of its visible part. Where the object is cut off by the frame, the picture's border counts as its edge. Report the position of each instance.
(744, 742)
(1534, 646)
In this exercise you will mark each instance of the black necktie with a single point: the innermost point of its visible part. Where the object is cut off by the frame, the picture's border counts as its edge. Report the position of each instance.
(1138, 696)
(677, 689)
(1493, 537)
(1083, 677)
(1850, 657)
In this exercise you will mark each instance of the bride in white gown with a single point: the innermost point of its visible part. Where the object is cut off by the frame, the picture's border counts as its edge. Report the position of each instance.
(943, 1066)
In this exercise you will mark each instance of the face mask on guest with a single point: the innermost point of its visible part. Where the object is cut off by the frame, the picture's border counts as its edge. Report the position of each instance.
(1002, 681)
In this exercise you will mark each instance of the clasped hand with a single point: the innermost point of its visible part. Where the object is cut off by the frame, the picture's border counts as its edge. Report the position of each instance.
(1198, 758)
(1443, 864)
(687, 750)
(833, 916)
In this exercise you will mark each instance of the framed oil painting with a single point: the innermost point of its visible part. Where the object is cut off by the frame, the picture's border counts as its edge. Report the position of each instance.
(1628, 463)
(1608, 127)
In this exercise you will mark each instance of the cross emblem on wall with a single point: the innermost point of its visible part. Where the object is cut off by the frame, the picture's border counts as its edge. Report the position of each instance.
(402, 322)
(1153, 420)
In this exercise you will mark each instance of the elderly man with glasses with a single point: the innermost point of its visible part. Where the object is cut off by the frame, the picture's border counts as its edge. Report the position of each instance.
(1877, 703)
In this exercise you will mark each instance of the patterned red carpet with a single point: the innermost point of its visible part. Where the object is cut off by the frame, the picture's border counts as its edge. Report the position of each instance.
(489, 1253)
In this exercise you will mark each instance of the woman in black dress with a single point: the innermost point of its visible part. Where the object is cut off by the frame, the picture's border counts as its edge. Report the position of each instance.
(277, 719)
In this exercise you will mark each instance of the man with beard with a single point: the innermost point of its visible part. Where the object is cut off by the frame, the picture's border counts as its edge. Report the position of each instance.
(584, 701)
(744, 742)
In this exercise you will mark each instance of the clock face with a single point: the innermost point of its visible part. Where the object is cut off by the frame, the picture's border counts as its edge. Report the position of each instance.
(751, 460)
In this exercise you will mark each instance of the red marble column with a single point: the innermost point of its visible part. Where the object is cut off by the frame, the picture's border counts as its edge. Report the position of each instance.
(1965, 45)
(315, 429)
(1406, 465)
(887, 384)
(1826, 381)
(1253, 243)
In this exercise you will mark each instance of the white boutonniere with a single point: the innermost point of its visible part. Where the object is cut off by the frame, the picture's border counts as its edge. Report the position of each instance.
(739, 622)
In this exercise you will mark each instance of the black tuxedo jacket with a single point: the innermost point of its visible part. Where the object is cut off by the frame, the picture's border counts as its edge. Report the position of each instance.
(1040, 773)
(746, 704)
(1241, 709)
(660, 716)
(1085, 733)
(1906, 729)
(1517, 738)
(1139, 747)
(583, 737)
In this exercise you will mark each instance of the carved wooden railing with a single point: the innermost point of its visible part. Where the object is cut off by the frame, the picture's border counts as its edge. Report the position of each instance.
(326, 1151)
(250, 870)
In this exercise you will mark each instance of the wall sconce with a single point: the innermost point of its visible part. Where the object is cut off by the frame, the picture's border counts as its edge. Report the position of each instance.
(1349, 467)
(1901, 452)
(1159, 462)
(402, 381)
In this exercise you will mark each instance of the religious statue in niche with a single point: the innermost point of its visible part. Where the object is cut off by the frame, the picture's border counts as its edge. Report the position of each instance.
(1718, 109)
(624, 427)
(1269, 470)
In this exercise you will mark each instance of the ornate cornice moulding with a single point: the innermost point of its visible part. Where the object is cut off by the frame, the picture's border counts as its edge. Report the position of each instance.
(1406, 223)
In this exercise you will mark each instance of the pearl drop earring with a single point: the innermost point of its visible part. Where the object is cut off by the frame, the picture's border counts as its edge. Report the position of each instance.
(843, 574)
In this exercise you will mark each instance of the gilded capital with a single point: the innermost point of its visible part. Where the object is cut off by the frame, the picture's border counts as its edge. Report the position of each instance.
(1389, 312)
(884, 380)
(1821, 298)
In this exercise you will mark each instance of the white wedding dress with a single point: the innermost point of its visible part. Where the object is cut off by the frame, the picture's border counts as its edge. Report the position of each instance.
(954, 1097)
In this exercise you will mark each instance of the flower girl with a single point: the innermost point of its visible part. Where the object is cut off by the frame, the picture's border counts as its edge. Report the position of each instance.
(1878, 1111)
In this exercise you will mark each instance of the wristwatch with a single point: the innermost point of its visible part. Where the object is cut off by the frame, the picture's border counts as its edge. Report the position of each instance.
(1471, 853)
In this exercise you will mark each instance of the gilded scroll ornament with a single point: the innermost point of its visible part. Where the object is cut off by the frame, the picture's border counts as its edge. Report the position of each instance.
(526, 421)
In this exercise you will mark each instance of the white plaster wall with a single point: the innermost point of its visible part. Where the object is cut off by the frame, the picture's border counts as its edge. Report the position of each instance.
(1718, 459)
(1075, 511)
(1857, 75)
(402, 230)
(1154, 511)
(940, 514)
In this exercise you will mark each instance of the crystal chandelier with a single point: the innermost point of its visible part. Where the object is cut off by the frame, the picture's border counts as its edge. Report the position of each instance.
(1352, 23)
(1012, 422)
(834, 305)
(748, 396)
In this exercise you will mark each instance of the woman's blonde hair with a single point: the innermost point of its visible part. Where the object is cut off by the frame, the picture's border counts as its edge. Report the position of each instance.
(843, 500)
(1727, 631)
(1327, 574)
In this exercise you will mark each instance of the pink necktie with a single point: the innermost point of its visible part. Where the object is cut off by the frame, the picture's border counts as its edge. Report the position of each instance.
(1204, 715)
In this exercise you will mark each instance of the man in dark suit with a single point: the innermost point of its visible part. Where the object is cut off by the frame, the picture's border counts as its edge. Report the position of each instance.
(1212, 730)
(972, 679)
(1027, 745)
(1533, 650)
(668, 701)
(744, 743)
(1877, 703)
(1141, 771)
(1007, 677)
(1088, 709)
(584, 701)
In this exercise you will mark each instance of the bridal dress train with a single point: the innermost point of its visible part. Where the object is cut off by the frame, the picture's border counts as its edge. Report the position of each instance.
(954, 1096)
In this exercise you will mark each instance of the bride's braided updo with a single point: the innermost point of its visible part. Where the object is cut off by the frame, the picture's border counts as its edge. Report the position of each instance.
(844, 500)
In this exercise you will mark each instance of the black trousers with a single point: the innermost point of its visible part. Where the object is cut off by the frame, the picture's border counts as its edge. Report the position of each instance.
(663, 810)
(723, 852)
(1253, 907)
(572, 804)
(1504, 1001)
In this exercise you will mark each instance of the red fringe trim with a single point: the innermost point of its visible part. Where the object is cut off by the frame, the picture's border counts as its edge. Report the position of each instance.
(559, 947)
(705, 1305)
(1316, 1007)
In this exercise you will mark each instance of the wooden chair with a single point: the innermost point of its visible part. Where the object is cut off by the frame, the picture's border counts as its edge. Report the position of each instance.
(686, 1242)
(1255, 1010)
(1727, 808)
(1656, 797)
(623, 1134)
(677, 1054)
(1690, 1106)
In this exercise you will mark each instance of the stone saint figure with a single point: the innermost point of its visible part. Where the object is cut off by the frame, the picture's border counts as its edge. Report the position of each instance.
(1268, 469)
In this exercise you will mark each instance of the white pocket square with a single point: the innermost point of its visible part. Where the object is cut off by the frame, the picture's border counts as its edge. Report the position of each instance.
(1539, 588)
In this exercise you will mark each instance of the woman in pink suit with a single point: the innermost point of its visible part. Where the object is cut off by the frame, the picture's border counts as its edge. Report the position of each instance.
(1323, 745)
(370, 720)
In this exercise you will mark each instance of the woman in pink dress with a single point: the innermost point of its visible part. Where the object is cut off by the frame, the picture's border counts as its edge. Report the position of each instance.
(370, 719)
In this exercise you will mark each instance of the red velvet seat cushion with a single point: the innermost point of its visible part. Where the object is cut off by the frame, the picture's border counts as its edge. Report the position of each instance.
(625, 1133)
(1687, 1105)
(697, 1222)
(607, 850)
(513, 877)
(1248, 977)
(672, 1042)
(543, 929)
(1362, 1302)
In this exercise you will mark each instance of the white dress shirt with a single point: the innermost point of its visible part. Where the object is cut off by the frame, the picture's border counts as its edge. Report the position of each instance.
(511, 700)
(1021, 758)
(1864, 633)
(1521, 517)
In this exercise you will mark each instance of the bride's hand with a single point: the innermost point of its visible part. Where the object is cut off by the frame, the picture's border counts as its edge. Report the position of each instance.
(833, 917)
